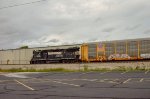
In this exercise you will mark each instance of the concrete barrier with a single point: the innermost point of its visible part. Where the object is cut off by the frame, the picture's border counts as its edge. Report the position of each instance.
(80, 66)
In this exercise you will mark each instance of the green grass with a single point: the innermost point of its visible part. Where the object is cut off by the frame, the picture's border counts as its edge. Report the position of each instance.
(85, 69)
(36, 70)
(100, 69)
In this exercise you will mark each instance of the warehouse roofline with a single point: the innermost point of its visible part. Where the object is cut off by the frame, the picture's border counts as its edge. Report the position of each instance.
(42, 47)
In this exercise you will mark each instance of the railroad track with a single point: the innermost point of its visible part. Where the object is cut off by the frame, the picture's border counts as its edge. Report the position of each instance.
(116, 61)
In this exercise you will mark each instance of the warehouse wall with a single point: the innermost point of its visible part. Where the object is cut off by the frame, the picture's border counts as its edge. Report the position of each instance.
(6, 56)
(17, 56)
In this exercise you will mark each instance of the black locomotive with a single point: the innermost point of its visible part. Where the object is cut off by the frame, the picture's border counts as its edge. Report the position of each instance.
(69, 55)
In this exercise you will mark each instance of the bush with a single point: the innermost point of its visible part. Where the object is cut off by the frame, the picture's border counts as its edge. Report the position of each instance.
(23, 47)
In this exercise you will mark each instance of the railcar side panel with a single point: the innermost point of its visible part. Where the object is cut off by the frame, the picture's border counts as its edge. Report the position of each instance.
(144, 47)
(84, 53)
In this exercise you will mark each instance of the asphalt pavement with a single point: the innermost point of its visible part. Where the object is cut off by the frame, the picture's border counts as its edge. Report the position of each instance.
(75, 85)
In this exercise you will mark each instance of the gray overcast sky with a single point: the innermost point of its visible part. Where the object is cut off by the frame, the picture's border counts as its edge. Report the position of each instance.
(56, 22)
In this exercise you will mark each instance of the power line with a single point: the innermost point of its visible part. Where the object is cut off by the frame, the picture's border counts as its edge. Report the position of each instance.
(5, 7)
